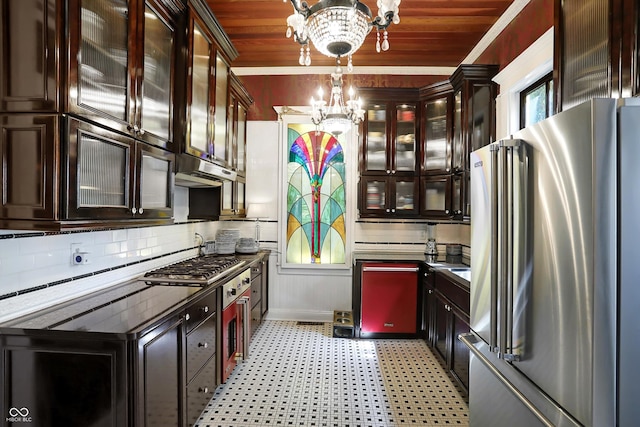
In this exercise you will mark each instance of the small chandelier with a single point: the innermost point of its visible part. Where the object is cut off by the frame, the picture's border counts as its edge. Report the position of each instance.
(337, 28)
(339, 115)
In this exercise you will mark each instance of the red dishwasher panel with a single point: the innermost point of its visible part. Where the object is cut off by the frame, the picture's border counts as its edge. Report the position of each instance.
(389, 298)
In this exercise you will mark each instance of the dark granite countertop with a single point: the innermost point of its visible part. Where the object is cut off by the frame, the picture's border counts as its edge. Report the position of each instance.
(127, 308)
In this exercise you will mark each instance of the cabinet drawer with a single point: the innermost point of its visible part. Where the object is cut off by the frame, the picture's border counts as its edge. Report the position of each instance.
(200, 391)
(201, 345)
(200, 310)
(454, 292)
(256, 292)
(256, 270)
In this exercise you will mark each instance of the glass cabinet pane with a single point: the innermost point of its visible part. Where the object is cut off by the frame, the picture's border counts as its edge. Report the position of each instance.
(241, 138)
(103, 172)
(436, 155)
(456, 202)
(103, 58)
(231, 129)
(156, 89)
(227, 196)
(154, 182)
(375, 195)
(404, 195)
(220, 115)
(405, 138)
(240, 190)
(457, 132)
(376, 154)
(199, 107)
(435, 196)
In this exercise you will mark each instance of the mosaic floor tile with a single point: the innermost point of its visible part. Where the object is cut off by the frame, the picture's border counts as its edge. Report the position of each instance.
(299, 375)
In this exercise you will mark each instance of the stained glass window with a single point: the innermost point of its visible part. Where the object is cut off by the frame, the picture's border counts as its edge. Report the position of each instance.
(316, 200)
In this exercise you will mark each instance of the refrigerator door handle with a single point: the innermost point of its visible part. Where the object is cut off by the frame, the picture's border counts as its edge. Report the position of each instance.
(469, 340)
(503, 247)
(494, 252)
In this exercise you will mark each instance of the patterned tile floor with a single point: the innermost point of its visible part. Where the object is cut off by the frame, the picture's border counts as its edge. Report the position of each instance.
(299, 375)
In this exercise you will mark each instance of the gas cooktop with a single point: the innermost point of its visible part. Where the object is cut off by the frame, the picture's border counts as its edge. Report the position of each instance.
(199, 271)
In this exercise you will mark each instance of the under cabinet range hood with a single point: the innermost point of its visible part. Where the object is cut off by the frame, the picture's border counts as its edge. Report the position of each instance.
(195, 172)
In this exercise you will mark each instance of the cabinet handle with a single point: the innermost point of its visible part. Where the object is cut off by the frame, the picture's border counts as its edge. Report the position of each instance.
(205, 309)
(134, 210)
(204, 390)
(203, 344)
(187, 316)
(140, 210)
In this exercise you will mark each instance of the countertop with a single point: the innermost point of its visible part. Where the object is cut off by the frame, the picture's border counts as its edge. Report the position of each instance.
(439, 262)
(122, 309)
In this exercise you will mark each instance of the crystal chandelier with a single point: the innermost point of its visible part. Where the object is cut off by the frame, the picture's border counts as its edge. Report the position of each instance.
(339, 115)
(337, 28)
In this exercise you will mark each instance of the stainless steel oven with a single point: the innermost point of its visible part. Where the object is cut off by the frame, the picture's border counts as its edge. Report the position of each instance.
(235, 321)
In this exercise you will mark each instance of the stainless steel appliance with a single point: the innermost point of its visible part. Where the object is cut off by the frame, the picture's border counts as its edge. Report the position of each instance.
(554, 271)
(199, 271)
(236, 318)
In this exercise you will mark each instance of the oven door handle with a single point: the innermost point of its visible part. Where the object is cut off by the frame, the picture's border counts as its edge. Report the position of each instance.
(246, 327)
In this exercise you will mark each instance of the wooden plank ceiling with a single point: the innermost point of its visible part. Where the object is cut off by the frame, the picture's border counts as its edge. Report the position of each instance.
(430, 33)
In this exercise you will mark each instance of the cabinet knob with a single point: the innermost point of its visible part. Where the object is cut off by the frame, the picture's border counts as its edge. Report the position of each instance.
(141, 131)
(205, 309)
(134, 210)
(393, 210)
(388, 171)
(446, 211)
(388, 210)
(187, 316)
(140, 210)
(393, 171)
(430, 291)
(203, 344)
(204, 390)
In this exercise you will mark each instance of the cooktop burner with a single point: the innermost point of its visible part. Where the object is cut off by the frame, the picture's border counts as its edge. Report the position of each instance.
(200, 271)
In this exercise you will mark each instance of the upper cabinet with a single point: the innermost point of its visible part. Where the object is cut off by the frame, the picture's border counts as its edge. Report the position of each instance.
(121, 65)
(388, 161)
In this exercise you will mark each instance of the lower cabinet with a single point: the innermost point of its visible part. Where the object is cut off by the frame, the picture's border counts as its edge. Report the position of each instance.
(446, 314)
(160, 375)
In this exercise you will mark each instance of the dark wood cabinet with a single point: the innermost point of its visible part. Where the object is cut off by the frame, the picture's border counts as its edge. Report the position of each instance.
(159, 375)
(31, 33)
(436, 196)
(259, 291)
(474, 124)
(446, 305)
(112, 176)
(148, 358)
(389, 154)
(30, 155)
(122, 57)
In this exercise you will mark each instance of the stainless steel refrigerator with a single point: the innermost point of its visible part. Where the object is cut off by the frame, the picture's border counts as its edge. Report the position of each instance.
(555, 272)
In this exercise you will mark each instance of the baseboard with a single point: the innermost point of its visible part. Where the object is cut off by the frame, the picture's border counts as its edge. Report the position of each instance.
(296, 315)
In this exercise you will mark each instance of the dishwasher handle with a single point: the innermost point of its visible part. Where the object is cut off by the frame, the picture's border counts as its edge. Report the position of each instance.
(391, 269)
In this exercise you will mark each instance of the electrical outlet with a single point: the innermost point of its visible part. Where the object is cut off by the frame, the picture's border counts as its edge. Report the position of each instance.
(78, 256)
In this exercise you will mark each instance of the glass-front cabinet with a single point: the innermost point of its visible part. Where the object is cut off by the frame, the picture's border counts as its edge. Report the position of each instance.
(112, 176)
(388, 197)
(121, 65)
(233, 198)
(388, 166)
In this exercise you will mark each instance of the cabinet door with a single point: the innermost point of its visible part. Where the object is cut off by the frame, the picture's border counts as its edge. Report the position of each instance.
(458, 143)
(100, 83)
(199, 87)
(232, 123)
(28, 68)
(375, 140)
(404, 140)
(241, 140)
(233, 198)
(154, 177)
(100, 173)
(160, 376)
(405, 196)
(459, 351)
(435, 196)
(441, 329)
(220, 113)
(428, 309)
(481, 117)
(457, 195)
(374, 196)
(155, 104)
(436, 151)
(29, 147)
